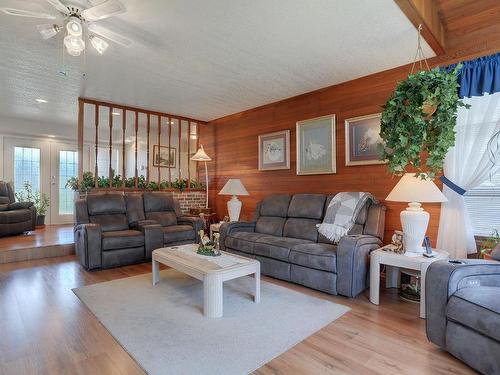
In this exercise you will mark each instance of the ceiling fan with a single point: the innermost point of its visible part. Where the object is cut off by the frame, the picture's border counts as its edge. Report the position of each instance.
(79, 22)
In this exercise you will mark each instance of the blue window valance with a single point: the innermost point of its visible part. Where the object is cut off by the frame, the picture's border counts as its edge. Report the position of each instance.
(479, 76)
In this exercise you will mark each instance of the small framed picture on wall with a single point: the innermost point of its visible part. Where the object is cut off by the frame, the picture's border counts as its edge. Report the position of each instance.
(274, 151)
(316, 149)
(362, 137)
(164, 156)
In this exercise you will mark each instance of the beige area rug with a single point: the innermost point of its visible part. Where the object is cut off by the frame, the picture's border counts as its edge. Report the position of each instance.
(164, 330)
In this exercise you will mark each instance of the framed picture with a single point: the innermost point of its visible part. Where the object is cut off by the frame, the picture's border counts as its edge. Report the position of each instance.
(274, 151)
(164, 156)
(316, 150)
(362, 137)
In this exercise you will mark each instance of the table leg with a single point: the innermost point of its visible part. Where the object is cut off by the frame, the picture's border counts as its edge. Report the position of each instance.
(257, 285)
(423, 272)
(391, 277)
(156, 271)
(212, 296)
(374, 279)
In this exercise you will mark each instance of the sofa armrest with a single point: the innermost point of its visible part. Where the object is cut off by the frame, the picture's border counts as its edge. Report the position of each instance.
(88, 245)
(153, 236)
(33, 217)
(235, 226)
(443, 279)
(196, 222)
(20, 206)
(353, 263)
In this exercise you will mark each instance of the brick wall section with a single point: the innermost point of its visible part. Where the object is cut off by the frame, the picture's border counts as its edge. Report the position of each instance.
(190, 199)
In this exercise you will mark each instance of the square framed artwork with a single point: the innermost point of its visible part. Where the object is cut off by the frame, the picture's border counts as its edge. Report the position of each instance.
(362, 137)
(164, 156)
(316, 149)
(274, 151)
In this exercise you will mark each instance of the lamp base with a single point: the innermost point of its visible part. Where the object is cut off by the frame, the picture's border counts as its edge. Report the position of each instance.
(234, 208)
(414, 221)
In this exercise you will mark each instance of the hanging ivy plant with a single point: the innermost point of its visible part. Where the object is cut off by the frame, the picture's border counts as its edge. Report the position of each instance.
(419, 120)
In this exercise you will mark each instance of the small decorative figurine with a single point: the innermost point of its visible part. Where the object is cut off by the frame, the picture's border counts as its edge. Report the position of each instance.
(207, 247)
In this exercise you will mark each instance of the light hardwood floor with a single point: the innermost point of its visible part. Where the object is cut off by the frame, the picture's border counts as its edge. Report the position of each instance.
(45, 329)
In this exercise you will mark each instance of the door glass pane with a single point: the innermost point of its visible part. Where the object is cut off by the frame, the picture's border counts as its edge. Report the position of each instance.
(68, 167)
(26, 167)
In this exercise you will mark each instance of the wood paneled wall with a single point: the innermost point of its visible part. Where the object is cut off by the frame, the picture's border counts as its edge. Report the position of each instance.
(232, 140)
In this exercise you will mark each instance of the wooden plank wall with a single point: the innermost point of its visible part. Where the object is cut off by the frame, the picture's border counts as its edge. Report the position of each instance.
(232, 141)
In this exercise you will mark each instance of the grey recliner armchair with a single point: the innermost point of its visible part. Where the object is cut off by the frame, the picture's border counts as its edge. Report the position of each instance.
(463, 311)
(15, 217)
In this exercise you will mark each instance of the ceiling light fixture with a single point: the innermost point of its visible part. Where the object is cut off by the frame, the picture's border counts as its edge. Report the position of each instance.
(74, 26)
(99, 44)
(41, 100)
(48, 30)
(74, 45)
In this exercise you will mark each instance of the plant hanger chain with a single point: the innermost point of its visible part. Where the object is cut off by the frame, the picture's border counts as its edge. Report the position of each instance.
(419, 54)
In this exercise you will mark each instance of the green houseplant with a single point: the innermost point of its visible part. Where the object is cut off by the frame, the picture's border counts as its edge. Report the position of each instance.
(40, 200)
(418, 121)
(488, 244)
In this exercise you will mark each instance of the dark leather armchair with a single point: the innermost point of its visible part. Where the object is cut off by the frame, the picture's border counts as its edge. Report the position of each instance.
(15, 217)
(463, 311)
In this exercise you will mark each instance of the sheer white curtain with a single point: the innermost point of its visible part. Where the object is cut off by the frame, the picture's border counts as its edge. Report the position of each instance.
(467, 165)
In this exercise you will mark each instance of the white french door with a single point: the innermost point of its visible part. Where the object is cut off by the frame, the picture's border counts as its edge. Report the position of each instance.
(47, 165)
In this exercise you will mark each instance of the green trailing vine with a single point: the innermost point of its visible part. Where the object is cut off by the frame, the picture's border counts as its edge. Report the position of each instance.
(418, 122)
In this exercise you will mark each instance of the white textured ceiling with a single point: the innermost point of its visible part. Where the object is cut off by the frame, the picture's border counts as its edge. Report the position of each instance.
(202, 59)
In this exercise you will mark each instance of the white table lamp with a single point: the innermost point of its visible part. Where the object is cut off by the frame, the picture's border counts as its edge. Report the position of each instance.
(414, 219)
(234, 187)
(201, 155)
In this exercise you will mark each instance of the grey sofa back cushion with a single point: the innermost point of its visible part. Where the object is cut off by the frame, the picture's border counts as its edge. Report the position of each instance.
(375, 221)
(81, 212)
(307, 206)
(301, 228)
(106, 204)
(164, 218)
(135, 208)
(111, 222)
(158, 202)
(275, 205)
(4, 200)
(270, 225)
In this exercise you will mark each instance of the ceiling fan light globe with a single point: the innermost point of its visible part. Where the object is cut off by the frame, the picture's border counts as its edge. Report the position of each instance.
(47, 31)
(99, 44)
(73, 52)
(74, 26)
(74, 43)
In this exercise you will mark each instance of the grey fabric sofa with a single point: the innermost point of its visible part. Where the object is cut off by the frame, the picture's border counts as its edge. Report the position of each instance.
(15, 217)
(115, 229)
(463, 311)
(284, 238)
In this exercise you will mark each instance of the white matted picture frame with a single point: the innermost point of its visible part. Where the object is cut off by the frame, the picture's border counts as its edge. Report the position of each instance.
(316, 146)
(362, 137)
(274, 151)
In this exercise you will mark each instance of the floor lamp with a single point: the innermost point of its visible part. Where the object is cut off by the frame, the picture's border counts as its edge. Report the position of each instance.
(201, 155)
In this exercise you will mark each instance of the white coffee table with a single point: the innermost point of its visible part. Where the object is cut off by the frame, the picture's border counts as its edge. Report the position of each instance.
(213, 271)
(394, 262)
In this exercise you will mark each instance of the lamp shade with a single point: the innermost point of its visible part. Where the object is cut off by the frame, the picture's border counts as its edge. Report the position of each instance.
(233, 187)
(415, 189)
(201, 155)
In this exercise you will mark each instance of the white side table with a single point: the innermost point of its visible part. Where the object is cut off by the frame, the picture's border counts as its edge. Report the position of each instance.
(394, 262)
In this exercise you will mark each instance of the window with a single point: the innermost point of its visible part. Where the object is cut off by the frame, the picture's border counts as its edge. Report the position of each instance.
(26, 167)
(483, 204)
(68, 167)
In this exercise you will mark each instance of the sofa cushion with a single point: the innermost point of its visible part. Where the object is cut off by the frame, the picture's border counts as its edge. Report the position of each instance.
(135, 208)
(276, 247)
(301, 228)
(122, 239)
(177, 233)
(308, 206)
(275, 205)
(477, 308)
(13, 217)
(4, 200)
(319, 256)
(242, 241)
(164, 218)
(154, 202)
(110, 223)
(106, 204)
(270, 225)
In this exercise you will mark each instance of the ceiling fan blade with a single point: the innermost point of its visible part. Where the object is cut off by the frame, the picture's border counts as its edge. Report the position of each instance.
(26, 13)
(105, 10)
(111, 35)
(59, 6)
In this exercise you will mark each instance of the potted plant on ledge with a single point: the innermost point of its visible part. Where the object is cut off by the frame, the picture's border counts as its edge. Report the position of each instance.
(40, 200)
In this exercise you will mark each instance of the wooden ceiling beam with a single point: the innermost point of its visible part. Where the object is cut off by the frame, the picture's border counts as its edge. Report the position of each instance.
(426, 13)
